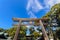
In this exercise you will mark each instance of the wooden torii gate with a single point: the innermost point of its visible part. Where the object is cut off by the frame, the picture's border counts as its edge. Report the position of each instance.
(39, 22)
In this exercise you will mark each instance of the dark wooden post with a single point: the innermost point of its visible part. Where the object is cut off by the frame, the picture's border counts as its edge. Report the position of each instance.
(43, 31)
(17, 31)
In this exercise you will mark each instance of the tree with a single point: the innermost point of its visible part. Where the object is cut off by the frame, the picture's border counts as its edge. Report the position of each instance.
(58, 33)
(1, 29)
(12, 31)
(55, 12)
(23, 30)
(31, 30)
(36, 34)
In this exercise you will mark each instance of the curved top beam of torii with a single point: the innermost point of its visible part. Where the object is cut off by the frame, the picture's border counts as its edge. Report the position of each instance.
(29, 19)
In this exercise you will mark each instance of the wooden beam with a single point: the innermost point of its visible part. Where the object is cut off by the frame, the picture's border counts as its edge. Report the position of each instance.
(28, 19)
(31, 24)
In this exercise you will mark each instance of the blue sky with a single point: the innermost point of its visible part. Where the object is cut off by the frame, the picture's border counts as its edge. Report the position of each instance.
(17, 8)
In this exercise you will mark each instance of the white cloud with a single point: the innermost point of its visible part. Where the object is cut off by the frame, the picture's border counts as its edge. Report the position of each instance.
(33, 7)
(57, 1)
(36, 6)
(50, 3)
(31, 14)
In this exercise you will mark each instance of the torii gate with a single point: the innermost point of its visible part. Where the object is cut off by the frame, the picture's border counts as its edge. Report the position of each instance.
(39, 23)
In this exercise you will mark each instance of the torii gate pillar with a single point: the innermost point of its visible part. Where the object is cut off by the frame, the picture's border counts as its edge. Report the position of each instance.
(17, 31)
(43, 31)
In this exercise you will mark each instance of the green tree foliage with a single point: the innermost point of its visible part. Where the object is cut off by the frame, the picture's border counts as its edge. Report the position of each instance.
(55, 10)
(36, 34)
(22, 35)
(31, 30)
(1, 29)
(11, 31)
(56, 6)
(23, 30)
(58, 33)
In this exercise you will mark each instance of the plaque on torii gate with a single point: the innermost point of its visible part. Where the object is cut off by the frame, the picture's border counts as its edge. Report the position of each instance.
(39, 23)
